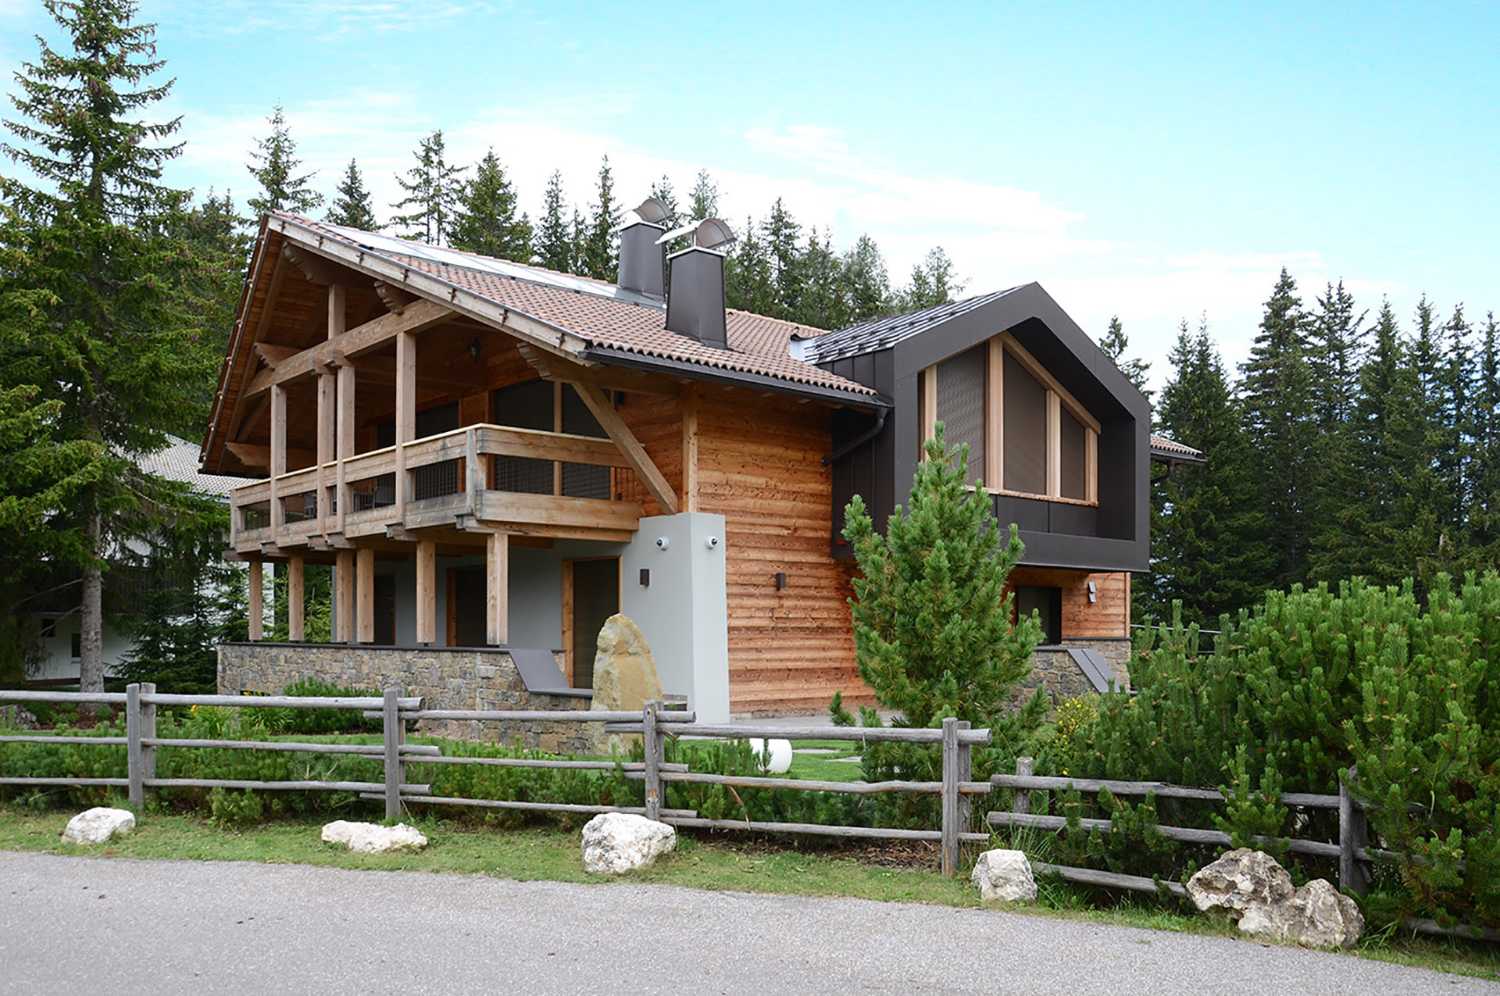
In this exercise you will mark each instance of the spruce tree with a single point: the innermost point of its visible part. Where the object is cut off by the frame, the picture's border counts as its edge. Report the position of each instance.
(487, 222)
(212, 252)
(932, 282)
(866, 286)
(748, 284)
(274, 165)
(823, 302)
(93, 329)
(1455, 428)
(554, 239)
(599, 252)
(703, 202)
(353, 207)
(1483, 539)
(781, 235)
(1336, 335)
(432, 188)
(1114, 343)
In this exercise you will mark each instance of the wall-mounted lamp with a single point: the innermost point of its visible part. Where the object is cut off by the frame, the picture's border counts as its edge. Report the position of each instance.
(781, 580)
(645, 577)
(474, 349)
(1093, 593)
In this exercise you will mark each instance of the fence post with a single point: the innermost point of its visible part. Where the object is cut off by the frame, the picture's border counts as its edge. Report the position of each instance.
(392, 730)
(148, 732)
(1022, 801)
(134, 761)
(950, 797)
(1353, 835)
(965, 773)
(651, 741)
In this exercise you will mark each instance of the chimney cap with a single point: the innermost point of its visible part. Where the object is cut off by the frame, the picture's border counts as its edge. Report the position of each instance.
(710, 233)
(653, 211)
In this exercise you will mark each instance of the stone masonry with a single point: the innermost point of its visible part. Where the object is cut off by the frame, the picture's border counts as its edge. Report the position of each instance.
(1054, 670)
(458, 678)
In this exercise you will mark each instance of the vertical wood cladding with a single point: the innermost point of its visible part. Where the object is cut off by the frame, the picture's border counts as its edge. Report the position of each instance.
(1107, 617)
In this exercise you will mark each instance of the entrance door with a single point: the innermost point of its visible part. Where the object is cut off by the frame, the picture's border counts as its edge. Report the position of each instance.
(591, 594)
(467, 596)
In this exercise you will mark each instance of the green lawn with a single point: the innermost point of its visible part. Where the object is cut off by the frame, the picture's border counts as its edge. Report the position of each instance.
(718, 863)
(825, 767)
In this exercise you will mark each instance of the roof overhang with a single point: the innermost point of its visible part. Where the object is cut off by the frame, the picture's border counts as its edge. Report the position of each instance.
(611, 356)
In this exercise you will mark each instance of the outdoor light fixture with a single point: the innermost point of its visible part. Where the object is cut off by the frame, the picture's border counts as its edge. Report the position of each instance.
(645, 577)
(781, 580)
(1093, 593)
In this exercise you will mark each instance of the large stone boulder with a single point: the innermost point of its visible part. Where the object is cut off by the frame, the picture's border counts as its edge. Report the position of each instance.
(615, 843)
(1240, 879)
(625, 677)
(1316, 916)
(97, 825)
(372, 838)
(1004, 876)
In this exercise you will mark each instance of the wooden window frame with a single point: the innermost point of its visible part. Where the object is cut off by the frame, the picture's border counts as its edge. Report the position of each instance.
(1058, 398)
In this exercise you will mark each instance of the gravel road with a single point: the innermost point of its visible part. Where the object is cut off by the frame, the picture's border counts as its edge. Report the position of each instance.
(70, 925)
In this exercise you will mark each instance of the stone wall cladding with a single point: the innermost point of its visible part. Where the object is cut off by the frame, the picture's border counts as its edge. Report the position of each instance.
(1054, 670)
(445, 678)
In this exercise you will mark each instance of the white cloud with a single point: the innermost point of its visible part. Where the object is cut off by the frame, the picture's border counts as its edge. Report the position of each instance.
(323, 19)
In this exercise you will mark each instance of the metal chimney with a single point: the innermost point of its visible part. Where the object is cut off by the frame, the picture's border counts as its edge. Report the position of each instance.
(695, 305)
(641, 264)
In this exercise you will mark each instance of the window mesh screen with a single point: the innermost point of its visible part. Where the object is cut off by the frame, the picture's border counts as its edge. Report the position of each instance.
(1074, 459)
(582, 480)
(1025, 430)
(960, 405)
(523, 406)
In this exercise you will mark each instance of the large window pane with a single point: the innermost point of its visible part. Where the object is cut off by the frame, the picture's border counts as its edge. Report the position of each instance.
(1025, 453)
(1074, 461)
(960, 405)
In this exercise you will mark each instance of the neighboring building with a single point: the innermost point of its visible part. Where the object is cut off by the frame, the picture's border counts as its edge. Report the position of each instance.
(496, 455)
(56, 613)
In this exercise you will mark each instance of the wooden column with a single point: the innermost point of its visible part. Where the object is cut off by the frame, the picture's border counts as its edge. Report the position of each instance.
(343, 597)
(690, 448)
(278, 456)
(426, 591)
(254, 606)
(294, 595)
(406, 412)
(344, 438)
(364, 588)
(326, 426)
(496, 589)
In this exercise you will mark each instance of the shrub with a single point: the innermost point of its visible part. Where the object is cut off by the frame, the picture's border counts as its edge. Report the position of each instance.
(321, 721)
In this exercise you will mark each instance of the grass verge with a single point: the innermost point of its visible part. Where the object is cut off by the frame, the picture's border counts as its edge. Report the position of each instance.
(716, 864)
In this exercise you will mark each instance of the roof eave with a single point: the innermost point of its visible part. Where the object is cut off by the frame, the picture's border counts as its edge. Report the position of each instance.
(611, 356)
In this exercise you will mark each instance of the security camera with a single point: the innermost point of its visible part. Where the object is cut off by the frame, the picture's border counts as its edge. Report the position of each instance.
(712, 542)
(662, 542)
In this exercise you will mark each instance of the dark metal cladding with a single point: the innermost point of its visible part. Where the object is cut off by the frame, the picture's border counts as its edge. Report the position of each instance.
(642, 261)
(695, 303)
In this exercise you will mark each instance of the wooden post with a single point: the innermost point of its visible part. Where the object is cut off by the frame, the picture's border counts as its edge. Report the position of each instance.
(148, 732)
(326, 434)
(1354, 876)
(255, 609)
(965, 773)
(391, 727)
(473, 471)
(651, 742)
(343, 597)
(1022, 802)
(364, 595)
(406, 412)
(278, 457)
(345, 440)
(950, 797)
(426, 591)
(135, 768)
(497, 589)
(690, 448)
(294, 599)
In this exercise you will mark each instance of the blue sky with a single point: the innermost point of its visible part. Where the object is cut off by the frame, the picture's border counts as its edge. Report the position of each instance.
(1157, 165)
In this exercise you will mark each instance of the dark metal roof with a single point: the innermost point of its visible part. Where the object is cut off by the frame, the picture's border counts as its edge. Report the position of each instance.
(1171, 451)
(883, 333)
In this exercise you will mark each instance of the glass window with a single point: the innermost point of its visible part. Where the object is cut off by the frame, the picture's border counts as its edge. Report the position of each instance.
(960, 405)
(1025, 455)
(1073, 458)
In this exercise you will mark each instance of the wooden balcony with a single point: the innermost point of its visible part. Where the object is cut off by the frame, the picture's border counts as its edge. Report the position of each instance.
(484, 478)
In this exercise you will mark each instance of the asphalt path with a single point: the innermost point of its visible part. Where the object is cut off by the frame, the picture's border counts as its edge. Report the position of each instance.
(81, 925)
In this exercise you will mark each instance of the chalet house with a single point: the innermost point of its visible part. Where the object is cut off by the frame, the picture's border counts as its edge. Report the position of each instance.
(496, 457)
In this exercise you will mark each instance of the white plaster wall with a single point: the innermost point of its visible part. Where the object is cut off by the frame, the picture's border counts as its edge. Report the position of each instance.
(58, 660)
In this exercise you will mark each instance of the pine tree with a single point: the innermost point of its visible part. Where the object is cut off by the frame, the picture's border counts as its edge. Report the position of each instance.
(432, 188)
(213, 251)
(1114, 343)
(704, 200)
(580, 229)
(353, 207)
(662, 191)
(1483, 542)
(487, 221)
(554, 239)
(747, 275)
(867, 287)
(1455, 429)
(599, 255)
(92, 327)
(274, 165)
(932, 282)
(781, 234)
(823, 301)
(1336, 336)
(1277, 393)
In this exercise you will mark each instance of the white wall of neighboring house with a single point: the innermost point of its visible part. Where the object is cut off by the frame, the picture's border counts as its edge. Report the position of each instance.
(58, 658)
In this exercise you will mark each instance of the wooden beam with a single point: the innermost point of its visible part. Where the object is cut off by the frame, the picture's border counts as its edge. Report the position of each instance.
(994, 422)
(344, 425)
(272, 354)
(426, 591)
(360, 339)
(394, 298)
(343, 597)
(496, 589)
(315, 268)
(690, 448)
(337, 310)
(1041, 373)
(364, 587)
(295, 592)
(550, 366)
(254, 605)
(1054, 444)
(326, 433)
(640, 461)
(406, 411)
(259, 455)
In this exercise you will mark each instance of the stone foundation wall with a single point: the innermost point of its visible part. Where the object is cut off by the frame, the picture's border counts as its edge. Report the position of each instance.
(457, 678)
(1054, 669)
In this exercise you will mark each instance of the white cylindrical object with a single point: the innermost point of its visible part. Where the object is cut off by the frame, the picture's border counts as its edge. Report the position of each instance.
(780, 755)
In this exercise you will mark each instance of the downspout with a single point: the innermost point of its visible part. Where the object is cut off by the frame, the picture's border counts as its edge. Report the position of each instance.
(863, 438)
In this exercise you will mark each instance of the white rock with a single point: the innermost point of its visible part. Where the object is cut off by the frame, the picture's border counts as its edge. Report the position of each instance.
(1317, 916)
(1004, 876)
(97, 825)
(781, 755)
(1240, 879)
(615, 843)
(372, 838)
